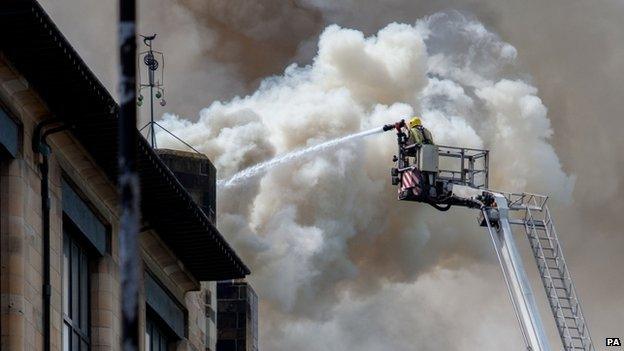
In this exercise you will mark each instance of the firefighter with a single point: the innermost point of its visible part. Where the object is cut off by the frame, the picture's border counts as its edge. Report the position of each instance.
(415, 184)
(418, 134)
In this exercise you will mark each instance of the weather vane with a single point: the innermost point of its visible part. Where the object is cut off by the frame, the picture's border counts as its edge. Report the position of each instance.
(151, 66)
(151, 69)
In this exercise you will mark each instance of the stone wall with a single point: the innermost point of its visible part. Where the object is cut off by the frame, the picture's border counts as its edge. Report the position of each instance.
(21, 242)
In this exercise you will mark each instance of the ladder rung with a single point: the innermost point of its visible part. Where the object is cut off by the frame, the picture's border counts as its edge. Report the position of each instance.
(551, 271)
(552, 285)
(560, 298)
(545, 249)
(564, 288)
(542, 235)
(561, 288)
(569, 301)
(573, 329)
(574, 338)
(557, 303)
(541, 259)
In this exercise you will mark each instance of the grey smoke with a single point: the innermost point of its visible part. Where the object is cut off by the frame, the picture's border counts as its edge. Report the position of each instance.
(573, 52)
(327, 228)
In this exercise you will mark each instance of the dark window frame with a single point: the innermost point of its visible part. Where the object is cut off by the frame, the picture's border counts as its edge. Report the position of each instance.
(94, 212)
(165, 335)
(76, 311)
(153, 311)
(10, 114)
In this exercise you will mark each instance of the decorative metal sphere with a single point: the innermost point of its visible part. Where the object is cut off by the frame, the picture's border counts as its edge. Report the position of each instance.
(163, 102)
(140, 97)
(139, 103)
(158, 95)
(150, 61)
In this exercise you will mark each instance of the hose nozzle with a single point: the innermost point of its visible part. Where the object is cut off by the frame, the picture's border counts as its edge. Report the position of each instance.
(388, 127)
(396, 126)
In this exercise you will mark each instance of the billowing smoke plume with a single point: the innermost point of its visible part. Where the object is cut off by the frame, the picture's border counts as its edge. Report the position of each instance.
(573, 51)
(323, 230)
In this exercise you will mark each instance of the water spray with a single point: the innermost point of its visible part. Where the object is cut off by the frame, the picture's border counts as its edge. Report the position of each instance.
(294, 155)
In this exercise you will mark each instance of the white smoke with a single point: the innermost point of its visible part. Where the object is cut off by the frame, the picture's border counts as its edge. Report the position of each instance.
(413, 316)
(326, 231)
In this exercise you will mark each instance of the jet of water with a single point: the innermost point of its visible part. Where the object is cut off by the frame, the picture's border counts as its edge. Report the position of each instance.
(259, 168)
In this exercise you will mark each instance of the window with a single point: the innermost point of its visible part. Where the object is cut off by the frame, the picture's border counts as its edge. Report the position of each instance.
(164, 308)
(9, 135)
(76, 325)
(210, 289)
(156, 339)
(165, 316)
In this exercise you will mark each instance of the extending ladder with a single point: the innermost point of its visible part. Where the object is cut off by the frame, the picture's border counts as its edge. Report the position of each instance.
(531, 213)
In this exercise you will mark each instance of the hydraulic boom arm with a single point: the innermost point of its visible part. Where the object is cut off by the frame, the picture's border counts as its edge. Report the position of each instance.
(443, 176)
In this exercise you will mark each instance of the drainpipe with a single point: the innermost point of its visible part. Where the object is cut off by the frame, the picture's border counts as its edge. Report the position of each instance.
(40, 147)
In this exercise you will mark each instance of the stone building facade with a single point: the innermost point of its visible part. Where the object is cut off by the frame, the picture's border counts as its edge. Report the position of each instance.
(77, 306)
(237, 323)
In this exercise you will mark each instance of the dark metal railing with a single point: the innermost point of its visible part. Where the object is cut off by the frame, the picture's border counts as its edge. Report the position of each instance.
(464, 166)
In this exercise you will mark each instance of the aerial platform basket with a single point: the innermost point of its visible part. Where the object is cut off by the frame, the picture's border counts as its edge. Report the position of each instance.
(428, 173)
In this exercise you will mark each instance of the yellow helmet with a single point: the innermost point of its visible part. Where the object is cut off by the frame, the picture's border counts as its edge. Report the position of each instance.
(414, 122)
